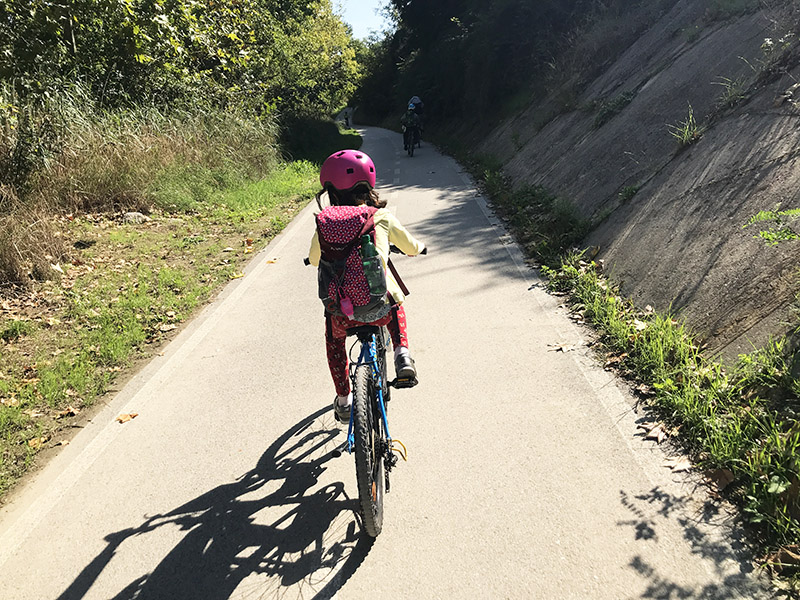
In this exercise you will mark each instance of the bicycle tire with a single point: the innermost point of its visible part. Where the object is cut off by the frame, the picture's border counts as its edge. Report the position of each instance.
(368, 435)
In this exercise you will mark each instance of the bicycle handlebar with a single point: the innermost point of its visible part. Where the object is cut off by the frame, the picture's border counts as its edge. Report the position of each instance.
(395, 250)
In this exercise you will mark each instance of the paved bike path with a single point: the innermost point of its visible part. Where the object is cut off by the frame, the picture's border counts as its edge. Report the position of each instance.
(525, 477)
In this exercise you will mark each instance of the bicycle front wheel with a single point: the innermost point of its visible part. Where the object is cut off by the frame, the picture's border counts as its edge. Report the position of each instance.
(370, 438)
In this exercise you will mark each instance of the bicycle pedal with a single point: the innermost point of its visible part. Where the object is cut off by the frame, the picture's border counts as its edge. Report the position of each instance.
(407, 382)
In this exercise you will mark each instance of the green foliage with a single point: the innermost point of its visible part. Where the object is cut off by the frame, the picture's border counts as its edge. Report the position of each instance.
(546, 225)
(687, 132)
(610, 108)
(742, 420)
(315, 139)
(733, 91)
(628, 192)
(469, 60)
(779, 225)
(288, 55)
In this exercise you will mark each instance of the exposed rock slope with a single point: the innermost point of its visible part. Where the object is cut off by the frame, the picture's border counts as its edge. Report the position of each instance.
(679, 241)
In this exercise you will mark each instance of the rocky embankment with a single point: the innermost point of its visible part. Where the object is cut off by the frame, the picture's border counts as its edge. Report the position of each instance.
(679, 241)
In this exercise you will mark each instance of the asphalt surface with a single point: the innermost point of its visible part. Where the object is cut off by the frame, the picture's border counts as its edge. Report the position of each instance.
(526, 477)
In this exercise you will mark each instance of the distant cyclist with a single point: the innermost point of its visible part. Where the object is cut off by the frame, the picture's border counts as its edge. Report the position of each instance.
(411, 127)
(348, 178)
(419, 105)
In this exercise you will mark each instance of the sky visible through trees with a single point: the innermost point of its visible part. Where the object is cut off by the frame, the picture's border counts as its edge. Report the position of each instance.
(364, 16)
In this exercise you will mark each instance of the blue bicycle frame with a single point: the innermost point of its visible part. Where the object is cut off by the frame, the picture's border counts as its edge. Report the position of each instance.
(369, 356)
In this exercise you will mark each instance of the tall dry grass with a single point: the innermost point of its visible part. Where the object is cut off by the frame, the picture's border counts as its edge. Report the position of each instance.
(64, 154)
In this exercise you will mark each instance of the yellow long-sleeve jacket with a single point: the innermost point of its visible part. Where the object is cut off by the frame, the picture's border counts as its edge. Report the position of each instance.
(388, 230)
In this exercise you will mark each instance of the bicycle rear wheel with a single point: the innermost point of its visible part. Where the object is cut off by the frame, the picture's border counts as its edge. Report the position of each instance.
(370, 441)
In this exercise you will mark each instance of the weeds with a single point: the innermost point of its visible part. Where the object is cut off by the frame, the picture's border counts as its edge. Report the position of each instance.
(610, 108)
(628, 192)
(738, 422)
(778, 225)
(686, 132)
(64, 341)
(742, 420)
(547, 225)
(733, 92)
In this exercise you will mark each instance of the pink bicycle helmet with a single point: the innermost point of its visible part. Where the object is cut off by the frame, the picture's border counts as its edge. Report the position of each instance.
(347, 168)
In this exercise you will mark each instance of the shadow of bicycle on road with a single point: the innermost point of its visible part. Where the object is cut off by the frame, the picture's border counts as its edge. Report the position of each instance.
(265, 535)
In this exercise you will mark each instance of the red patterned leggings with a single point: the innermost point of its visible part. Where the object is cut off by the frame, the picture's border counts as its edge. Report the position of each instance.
(336, 333)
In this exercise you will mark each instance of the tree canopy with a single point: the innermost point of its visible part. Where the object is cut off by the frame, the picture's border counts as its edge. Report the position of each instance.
(290, 55)
(465, 57)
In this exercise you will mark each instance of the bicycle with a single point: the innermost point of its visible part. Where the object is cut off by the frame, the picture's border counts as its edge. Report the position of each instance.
(368, 429)
(368, 434)
(411, 138)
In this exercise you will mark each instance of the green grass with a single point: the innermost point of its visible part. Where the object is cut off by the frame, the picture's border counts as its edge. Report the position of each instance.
(686, 132)
(610, 108)
(15, 329)
(733, 91)
(741, 418)
(121, 296)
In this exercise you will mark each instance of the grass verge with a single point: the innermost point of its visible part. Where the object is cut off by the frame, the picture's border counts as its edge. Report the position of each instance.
(121, 290)
(738, 423)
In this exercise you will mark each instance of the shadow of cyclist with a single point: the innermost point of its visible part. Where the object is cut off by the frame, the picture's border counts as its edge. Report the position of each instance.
(263, 533)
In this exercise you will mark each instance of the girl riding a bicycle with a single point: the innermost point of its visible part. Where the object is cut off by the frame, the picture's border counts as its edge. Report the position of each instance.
(348, 179)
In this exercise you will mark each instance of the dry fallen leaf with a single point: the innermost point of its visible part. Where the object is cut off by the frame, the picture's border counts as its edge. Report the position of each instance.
(678, 463)
(272, 260)
(37, 442)
(237, 275)
(33, 413)
(654, 431)
(564, 347)
(719, 478)
(125, 417)
(70, 411)
(785, 559)
(167, 327)
(62, 443)
(10, 402)
(639, 325)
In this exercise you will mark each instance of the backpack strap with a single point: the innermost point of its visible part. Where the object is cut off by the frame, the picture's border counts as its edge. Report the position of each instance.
(396, 275)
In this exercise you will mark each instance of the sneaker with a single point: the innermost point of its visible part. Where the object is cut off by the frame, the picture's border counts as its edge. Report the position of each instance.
(341, 413)
(404, 366)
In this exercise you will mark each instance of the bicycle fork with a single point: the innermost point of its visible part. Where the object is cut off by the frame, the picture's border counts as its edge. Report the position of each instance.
(389, 446)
